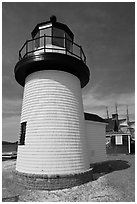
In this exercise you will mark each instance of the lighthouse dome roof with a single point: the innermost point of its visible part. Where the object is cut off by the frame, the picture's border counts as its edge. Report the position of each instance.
(53, 23)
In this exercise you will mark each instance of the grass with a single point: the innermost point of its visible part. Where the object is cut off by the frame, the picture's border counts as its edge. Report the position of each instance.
(113, 180)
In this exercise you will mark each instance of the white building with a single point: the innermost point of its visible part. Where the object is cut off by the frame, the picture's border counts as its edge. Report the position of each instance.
(96, 134)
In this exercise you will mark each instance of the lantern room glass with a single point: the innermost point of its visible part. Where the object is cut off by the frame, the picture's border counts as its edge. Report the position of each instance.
(58, 37)
(53, 36)
(47, 32)
(37, 41)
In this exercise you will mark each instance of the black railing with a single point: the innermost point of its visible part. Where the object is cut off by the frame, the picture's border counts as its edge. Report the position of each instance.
(57, 44)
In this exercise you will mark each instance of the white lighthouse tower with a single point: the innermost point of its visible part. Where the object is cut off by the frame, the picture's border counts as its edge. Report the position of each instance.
(53, 147)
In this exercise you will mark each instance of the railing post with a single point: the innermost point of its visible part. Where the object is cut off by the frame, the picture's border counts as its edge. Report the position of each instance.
(65, 44)
(81, 52)
(85, 59)
(26, 46)
(32, 44)
(19, 55)
(44, 43)
(72, 46)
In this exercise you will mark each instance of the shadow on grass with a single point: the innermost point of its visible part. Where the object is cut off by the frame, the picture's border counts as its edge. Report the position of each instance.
(100, 169)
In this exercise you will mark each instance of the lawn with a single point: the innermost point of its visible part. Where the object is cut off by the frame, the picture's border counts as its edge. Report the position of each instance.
(113, 180)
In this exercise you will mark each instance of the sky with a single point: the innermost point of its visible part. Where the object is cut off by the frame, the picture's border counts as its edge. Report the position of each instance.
(106, 32)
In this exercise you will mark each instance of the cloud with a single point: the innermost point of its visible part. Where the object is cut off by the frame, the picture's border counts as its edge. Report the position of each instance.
(10, 128)
(11, 107)
(11, 110)
(95, 103)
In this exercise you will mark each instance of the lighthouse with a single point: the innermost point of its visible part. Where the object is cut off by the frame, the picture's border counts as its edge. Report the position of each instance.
(53, 147)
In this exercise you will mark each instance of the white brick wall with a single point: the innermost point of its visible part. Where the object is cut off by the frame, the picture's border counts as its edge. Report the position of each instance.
(55, 141)
(96, 140)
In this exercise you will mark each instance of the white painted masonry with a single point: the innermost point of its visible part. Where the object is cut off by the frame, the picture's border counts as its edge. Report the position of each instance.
(96, 134)
(55, 141)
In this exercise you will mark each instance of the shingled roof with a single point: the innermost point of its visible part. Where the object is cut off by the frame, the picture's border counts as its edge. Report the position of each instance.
(93, 117)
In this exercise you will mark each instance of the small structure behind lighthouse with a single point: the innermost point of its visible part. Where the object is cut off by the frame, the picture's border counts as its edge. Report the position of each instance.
(53, 144)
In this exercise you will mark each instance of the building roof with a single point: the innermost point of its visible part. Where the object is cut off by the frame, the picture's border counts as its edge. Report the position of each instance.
(124, 124)
(93, 117)
(121, 123)
(121, 120)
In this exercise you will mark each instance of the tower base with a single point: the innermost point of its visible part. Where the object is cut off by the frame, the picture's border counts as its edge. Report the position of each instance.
(52, 182)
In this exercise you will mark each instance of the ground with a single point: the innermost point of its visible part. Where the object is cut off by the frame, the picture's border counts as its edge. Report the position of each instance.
(113, 180)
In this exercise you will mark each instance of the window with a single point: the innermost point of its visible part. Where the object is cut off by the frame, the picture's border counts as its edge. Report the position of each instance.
(37, 41)
(68, 42)
(58, 41)
(119, 140)
(22, 133)
(46, 32)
